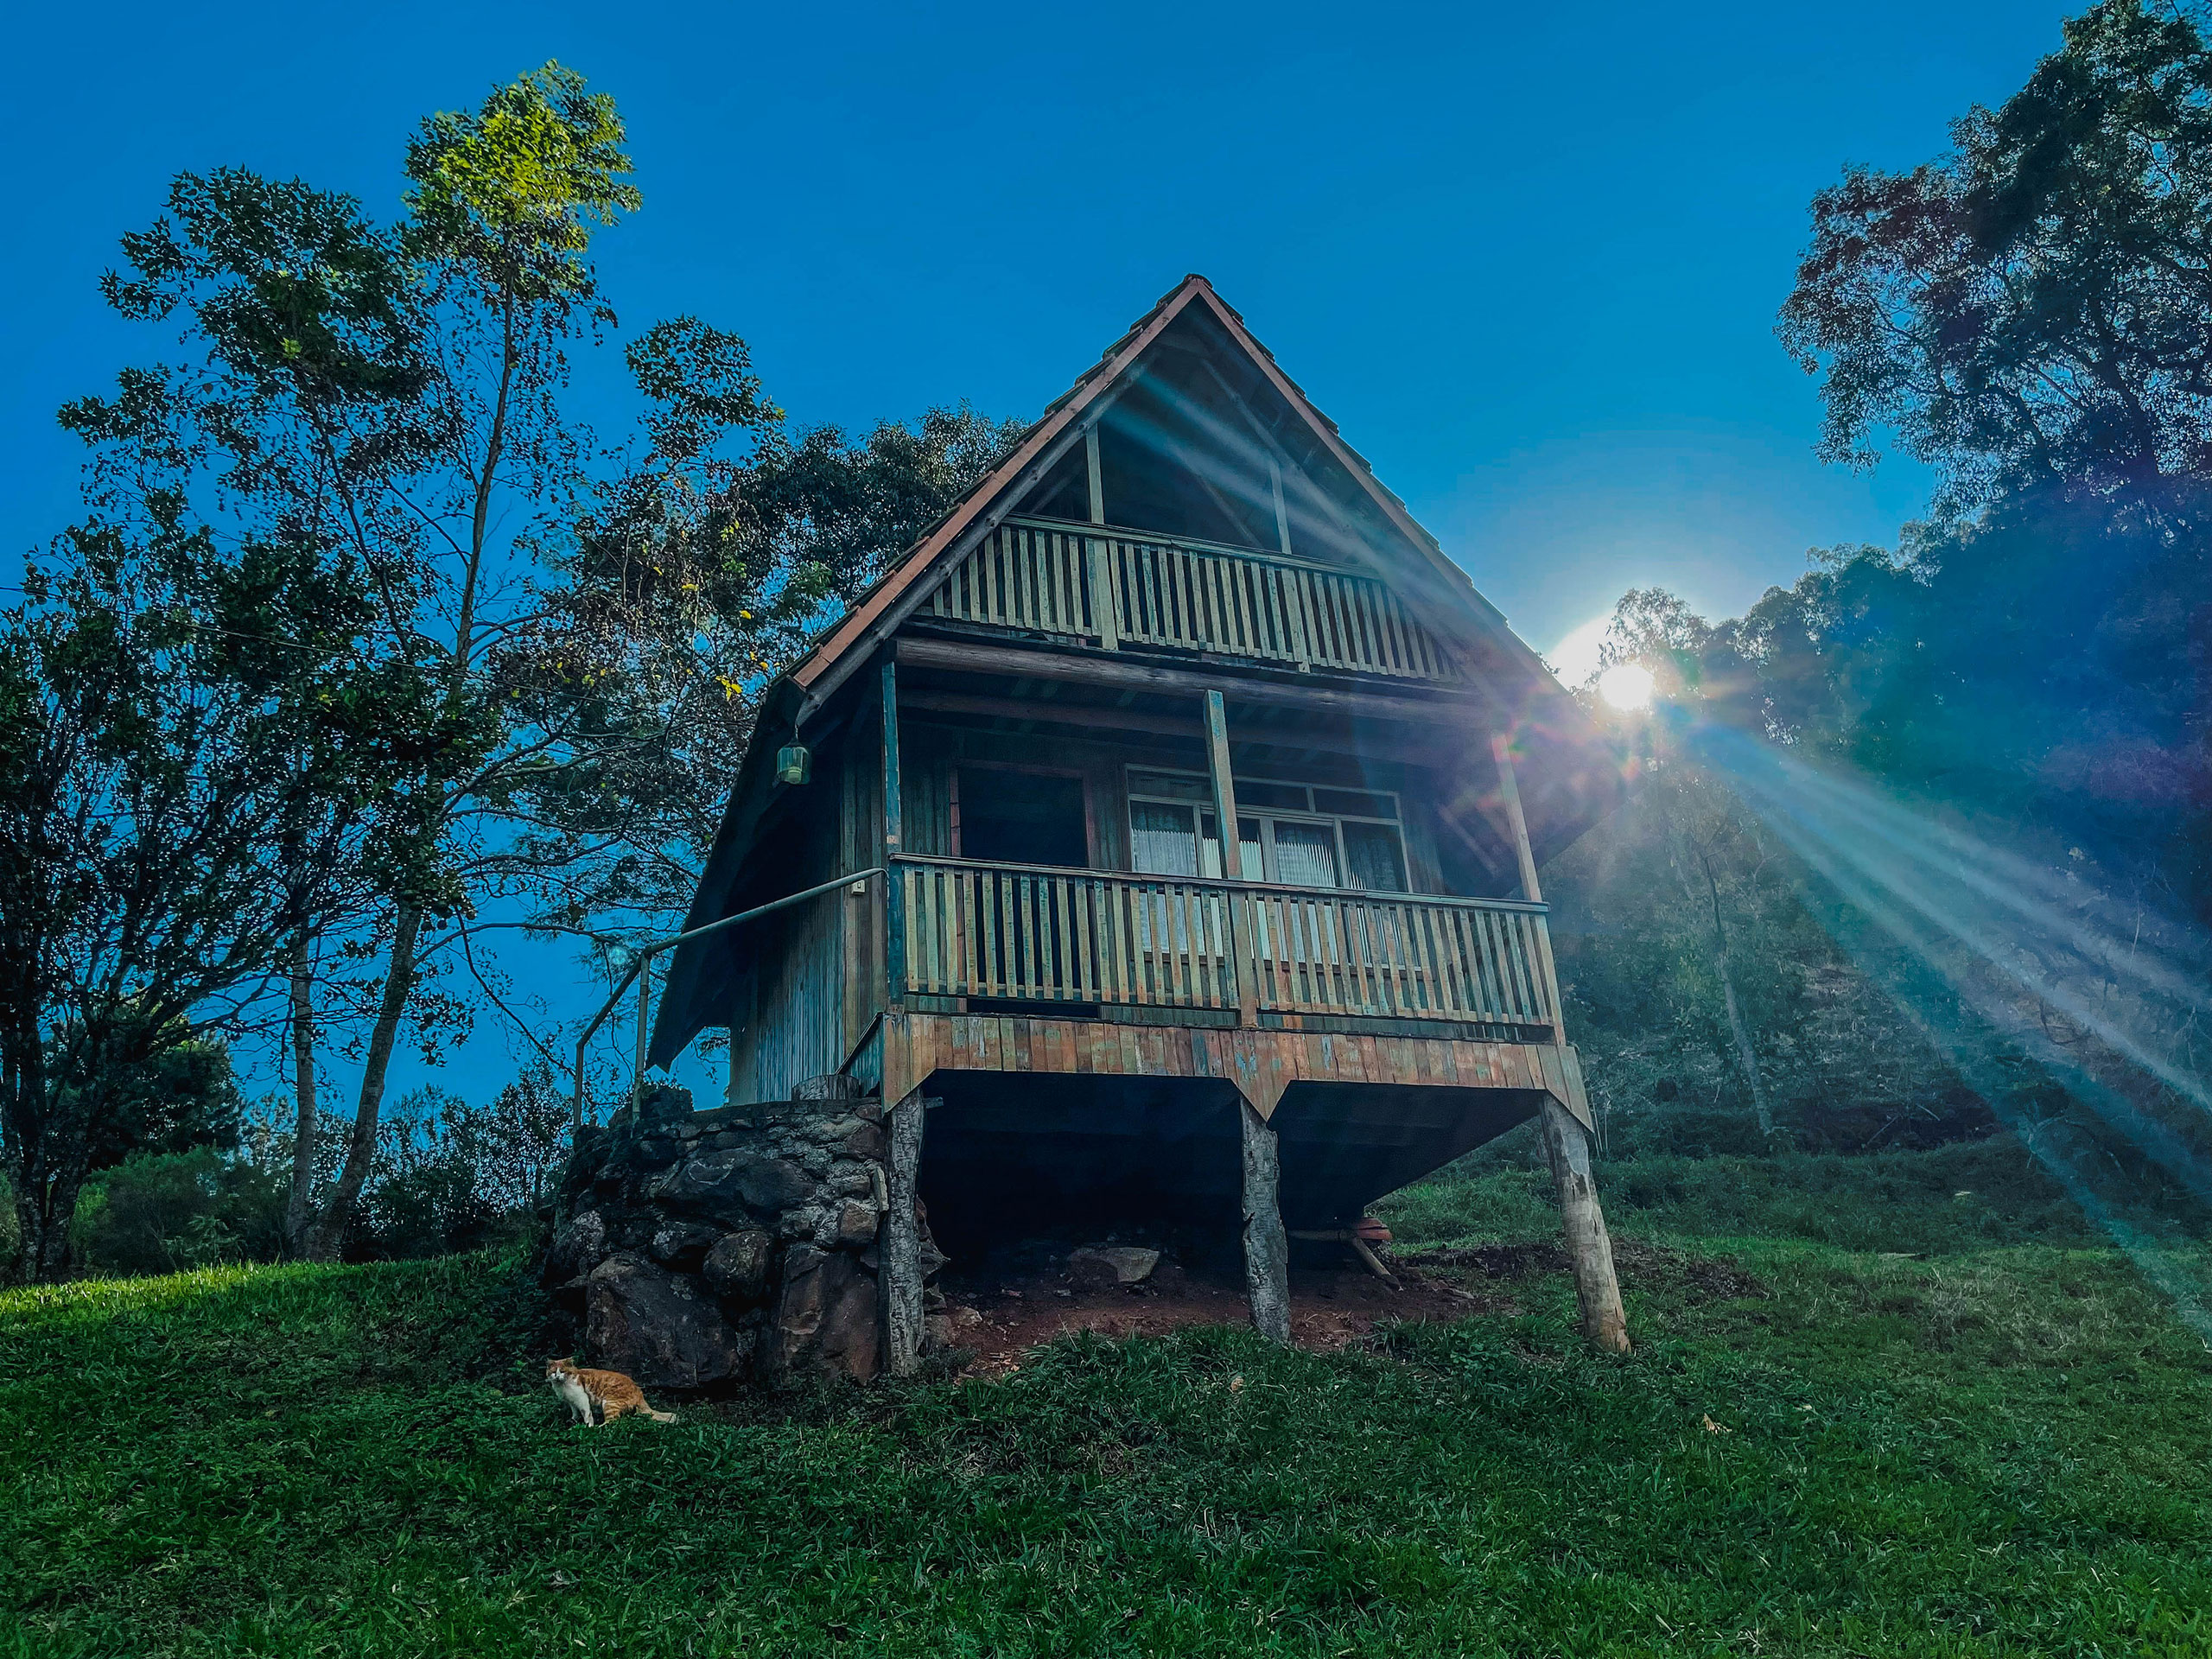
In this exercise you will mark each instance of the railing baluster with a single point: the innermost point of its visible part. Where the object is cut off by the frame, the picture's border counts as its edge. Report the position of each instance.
(1030, 933)
(1041, 575)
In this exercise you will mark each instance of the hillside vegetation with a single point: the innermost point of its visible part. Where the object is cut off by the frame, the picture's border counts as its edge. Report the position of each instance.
(1991, 1446)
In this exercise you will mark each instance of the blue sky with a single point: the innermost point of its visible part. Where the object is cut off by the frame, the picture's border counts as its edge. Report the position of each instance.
(1528, 260)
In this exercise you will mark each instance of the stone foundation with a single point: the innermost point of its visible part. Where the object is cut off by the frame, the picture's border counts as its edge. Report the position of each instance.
(703, 1251)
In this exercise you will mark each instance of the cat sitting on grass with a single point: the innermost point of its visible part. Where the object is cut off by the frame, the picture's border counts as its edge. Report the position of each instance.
(598, 1396)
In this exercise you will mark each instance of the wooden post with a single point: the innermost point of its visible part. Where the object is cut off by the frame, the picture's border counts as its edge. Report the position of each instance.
(1589, 1248)
(1267, 1247)
(1567, 1143)
(1105, 604)
(900, 1241)
(1097, 477)
(644, 1017)
(895, 908)
(1282, 510)
(1240, 967)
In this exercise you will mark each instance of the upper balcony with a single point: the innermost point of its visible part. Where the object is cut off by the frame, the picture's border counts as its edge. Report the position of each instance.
(1118, 588)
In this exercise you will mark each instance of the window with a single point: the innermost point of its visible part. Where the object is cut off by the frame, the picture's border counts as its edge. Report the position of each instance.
(1289, 833)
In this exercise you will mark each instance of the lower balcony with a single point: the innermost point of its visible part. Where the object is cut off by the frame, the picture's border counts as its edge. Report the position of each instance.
(971, 936)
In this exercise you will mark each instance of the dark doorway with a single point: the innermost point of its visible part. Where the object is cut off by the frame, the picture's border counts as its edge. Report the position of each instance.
(1022, 817)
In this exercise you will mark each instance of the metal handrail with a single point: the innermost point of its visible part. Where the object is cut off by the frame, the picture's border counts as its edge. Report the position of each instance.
(1239, 884)
(642, 960)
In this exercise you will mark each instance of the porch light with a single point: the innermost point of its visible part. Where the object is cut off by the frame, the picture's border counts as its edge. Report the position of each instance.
(793, 764)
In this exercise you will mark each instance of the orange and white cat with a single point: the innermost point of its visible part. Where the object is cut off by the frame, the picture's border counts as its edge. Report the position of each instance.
(598, 1396)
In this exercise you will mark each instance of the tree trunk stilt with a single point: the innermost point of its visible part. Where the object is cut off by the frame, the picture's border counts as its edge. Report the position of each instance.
(1589, 1249)
(898, 1243)
(1267, 1249)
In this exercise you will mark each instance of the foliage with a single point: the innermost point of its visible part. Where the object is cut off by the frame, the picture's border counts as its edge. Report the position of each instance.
(1991, 1451)
(449, 1175)
(163, 1212)
(170, 712)
(718, 554)
(2032, 314)
(1951, 1199)
(2034, 311)
(182, 1094)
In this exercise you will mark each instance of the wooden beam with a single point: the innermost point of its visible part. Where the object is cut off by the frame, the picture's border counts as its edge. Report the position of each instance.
(1589, 1249)
(1045, 713)
(894, 928)
(1105, 611)
(1017, 663)
(1282, 512)
(1218, 770)
(1567, 1143)
(1267, 1250)
(901, 1239)
(1509, 790)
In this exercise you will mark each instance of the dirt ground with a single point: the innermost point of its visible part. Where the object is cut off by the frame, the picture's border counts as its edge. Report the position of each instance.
(1000, 1315)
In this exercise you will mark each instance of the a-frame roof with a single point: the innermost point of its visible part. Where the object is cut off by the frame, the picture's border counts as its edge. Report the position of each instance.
(1373, 527)
(907, 582)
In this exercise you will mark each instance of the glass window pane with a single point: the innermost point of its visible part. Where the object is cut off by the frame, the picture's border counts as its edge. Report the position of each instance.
(1355, 803)
(1161, 840)
(1285, 795)
(1378, 864)
(1248, 833)
(1305, 855)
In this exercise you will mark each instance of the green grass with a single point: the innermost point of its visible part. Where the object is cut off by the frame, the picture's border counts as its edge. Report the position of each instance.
(1998, 1448)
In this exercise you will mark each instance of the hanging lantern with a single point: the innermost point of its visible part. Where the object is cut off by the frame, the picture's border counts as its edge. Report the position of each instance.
(793, 764)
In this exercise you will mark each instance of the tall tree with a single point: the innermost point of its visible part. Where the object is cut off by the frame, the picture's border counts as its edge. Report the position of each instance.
(502, 203)
(2035, 310)
(168, 714)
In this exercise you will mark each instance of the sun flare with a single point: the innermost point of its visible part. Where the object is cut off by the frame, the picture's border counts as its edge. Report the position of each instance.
(1626, 685)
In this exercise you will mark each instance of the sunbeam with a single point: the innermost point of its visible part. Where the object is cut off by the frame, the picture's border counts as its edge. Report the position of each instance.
(1938, 916)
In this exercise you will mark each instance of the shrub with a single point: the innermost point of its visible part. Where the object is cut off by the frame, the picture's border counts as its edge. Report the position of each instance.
(162, 1212)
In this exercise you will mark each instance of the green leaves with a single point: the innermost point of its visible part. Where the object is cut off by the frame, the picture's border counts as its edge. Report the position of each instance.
(2035, 309)
(513, 188)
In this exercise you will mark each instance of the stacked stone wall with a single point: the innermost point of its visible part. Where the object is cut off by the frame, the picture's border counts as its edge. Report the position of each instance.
(703, 1251)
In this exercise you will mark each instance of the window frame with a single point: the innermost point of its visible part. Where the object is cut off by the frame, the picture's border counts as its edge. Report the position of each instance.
(1133, 792)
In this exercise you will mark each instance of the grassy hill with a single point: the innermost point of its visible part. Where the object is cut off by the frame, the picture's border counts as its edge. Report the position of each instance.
(1994, 1445)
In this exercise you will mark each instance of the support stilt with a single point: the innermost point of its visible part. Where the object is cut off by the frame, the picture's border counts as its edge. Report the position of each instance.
(1567, 1143)
(1589, 1249)
(900, 1243)
(1267, 1249)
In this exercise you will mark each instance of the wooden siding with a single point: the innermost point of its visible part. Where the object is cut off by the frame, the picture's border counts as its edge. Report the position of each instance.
(1262, 1064)
(1116, 588)
(797, 1010)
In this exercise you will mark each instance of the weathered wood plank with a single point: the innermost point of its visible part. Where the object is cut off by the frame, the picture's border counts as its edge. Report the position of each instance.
(1267, 1250)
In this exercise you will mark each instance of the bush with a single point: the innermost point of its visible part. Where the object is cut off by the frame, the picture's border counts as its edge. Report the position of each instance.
(163, 1212)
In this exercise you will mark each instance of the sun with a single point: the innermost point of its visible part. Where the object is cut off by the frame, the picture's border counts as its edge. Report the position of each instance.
(1626, 685)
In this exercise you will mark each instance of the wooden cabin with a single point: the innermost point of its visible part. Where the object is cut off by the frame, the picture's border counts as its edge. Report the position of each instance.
(1183, 602)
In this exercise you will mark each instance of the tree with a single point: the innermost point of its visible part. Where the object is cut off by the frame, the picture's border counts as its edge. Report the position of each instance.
(2034, 311)
(566, 666)
(168, 714)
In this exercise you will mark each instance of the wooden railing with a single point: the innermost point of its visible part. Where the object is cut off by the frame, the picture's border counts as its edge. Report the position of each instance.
(1119, 587)
(1035, 933)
